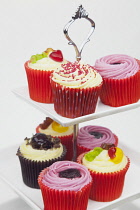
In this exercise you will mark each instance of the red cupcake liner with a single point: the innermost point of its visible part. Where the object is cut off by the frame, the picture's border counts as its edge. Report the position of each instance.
(67, 141)
(106, 186)
(63, 199)
(31, 169)
(120, 92)
(81, 149)
(72, 102)
(39, 84)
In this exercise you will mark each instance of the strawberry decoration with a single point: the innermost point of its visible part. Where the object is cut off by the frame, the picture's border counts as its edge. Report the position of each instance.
(56, 55)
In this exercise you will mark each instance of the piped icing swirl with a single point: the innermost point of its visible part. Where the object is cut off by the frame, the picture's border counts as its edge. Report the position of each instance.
(116, 66)
(76, 75)
(105, 161)
(93, 136)
(41, 148)
(54, 180)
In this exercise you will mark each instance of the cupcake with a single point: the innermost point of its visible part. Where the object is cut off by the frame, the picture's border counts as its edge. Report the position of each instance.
(65, 134)
(37, 153)
(76, 88)
(65, 185)
(121, 79)
(38, 71)
(108, 166)
(91, 136)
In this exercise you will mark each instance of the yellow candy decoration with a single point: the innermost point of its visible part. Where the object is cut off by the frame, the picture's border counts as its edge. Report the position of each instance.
(119, 156)
(58, 128)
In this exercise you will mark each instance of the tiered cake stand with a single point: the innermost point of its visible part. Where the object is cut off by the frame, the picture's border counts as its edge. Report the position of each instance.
(33, 196)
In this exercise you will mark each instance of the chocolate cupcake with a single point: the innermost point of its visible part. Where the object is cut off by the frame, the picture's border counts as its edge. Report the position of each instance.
(65, 134)
(36, 153)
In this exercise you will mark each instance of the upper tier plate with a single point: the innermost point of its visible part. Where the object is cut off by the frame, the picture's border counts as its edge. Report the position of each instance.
(101, 110)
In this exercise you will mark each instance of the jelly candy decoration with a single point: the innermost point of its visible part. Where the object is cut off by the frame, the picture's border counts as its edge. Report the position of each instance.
(90, 156)
(115, 154)
(106, 146)
(33, 59)
(56, 56)
(48, 51)
(70, 173)
(58, 128)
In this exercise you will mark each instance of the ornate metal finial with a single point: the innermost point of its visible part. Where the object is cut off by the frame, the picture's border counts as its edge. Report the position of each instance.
(80, 13)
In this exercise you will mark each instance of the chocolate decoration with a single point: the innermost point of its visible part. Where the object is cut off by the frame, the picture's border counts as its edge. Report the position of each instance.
(96, 134)
(70, 173)
(46, 123)
(107, 146)
(42, 141)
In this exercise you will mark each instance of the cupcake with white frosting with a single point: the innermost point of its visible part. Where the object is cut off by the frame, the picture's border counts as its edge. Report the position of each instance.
(38, 71)
(76, 88)
(65, 134)
(65, 185)
(121, 79)
(36, 153)
(108, 166)
(91, 136)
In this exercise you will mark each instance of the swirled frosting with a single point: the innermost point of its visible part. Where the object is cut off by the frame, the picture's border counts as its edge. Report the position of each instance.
(93, 136)
(76, 75)
(51, 176)
(46, 64)
(116, 66)
(102, 163)
(27, 151)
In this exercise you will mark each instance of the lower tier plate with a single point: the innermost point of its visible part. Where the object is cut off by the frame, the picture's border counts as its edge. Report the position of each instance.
(10, 172)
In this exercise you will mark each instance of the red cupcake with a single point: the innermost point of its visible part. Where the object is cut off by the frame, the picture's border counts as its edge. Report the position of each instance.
(76, 88)
(121, 79)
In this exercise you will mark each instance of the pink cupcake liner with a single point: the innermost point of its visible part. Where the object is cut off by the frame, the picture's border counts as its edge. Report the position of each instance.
(39, 84)
(72, 102)
(81, 149)
(120, 92)
(63, 199)
(106, 186)
(67, 141)
(30, 169)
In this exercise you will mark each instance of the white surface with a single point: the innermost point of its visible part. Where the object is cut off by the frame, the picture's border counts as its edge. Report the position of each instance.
(33, 197)
(29, 27)
(101, 109)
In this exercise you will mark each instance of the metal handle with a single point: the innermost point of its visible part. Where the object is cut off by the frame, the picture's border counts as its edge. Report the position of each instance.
(80, 13)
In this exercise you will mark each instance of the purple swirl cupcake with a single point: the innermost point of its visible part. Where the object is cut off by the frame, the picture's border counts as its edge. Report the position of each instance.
(92, 136)
(65, 185)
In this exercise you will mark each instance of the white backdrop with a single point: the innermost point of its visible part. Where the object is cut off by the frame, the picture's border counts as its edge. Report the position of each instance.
(28, 27)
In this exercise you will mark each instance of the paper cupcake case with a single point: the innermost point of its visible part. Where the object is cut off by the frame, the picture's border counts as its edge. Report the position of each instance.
(30, 169)
(39, 84)
(67, 141)
(72, 102)
(64, 199)
(81, 149)
(106, 186)
(120, 92)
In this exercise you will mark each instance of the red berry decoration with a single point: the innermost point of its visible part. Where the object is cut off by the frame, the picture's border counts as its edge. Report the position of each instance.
(56, 56)
(111, 152)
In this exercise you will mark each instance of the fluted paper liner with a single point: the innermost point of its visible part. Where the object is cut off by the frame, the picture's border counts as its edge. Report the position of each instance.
(67, 141)
(81, 149)
(106, 186)
(63, 199)
(74, 102)
(39, 84)
(120, 92)
(30, 169)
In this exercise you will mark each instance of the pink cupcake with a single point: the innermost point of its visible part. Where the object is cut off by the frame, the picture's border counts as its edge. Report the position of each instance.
(65, 185)
(91, 136)
(65, 134)
(76, 88)
(108, 168)
(121, 79)
(38, 71)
